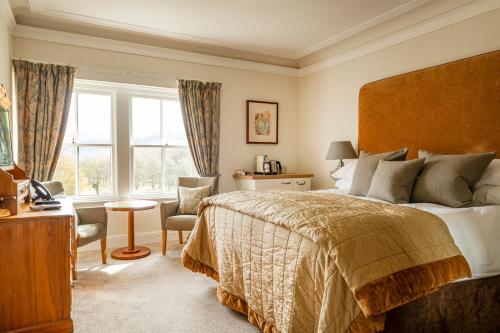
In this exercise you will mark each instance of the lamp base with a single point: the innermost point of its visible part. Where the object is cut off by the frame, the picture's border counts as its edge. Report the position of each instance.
(339, 166)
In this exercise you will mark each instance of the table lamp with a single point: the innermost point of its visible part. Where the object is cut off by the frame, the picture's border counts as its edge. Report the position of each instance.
(340, 150)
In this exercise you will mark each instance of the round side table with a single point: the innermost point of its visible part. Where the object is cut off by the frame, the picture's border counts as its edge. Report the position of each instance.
(132, 251)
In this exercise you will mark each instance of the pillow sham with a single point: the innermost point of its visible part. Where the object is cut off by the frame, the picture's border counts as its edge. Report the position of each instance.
(449, 179)
(345, 175)
(190, 198)
(393, 181)
(487, 189)
(366, 166)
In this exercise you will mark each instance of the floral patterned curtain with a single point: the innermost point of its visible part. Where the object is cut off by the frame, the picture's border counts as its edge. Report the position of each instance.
(43, 102)
(200, 105)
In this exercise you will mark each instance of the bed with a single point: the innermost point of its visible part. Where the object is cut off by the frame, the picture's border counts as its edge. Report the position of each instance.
(326, 262)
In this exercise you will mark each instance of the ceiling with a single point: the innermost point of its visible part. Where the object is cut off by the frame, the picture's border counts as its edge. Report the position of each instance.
(289, 29)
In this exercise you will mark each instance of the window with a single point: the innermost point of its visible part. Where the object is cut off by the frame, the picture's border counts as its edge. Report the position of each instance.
(123, 140)
(160, 153)
(86, 161)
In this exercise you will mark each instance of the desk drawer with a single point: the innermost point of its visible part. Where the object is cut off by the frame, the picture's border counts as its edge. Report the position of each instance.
(274, 184)
(301, 184)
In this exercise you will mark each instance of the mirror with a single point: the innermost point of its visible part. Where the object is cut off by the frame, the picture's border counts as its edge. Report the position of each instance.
(6, 160)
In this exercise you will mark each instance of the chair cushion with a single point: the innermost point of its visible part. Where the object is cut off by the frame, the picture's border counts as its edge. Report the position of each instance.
(88, 233)
(180, 222)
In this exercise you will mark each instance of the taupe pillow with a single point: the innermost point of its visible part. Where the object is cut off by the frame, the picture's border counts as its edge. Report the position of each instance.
(190, 198)
(449, 179)
(393, 181)
(367, 164)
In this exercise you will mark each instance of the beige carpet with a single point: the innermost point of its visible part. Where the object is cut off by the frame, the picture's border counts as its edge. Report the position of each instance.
(154, 294)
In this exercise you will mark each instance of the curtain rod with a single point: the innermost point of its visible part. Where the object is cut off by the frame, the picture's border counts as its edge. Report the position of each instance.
(125, 72)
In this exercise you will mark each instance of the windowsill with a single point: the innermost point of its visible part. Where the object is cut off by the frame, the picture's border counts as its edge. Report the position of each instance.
(102, 200)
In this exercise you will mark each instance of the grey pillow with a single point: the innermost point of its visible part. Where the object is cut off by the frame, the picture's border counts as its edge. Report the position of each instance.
(449, 179)
(393, 180)
(367, 164)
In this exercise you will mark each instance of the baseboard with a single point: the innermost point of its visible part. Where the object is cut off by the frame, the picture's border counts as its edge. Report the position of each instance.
(122, 240)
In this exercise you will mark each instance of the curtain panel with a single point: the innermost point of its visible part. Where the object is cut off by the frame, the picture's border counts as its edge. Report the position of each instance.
(200, 105)
(43, 99)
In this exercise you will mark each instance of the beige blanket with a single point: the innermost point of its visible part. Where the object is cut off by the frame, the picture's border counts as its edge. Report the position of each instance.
(315, 262)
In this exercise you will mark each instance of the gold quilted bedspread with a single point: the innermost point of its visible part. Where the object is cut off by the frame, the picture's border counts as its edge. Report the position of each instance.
(316, 262)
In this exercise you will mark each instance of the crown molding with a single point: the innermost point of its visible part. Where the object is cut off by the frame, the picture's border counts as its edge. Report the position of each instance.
(60, 37)
(7, 15)
(454, 16)
(406, 7)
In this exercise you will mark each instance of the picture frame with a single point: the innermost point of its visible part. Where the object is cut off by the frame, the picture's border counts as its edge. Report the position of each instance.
(262, 122)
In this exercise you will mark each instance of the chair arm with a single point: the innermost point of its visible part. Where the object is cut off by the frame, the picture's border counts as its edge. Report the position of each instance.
(168, 208)
(89, 215)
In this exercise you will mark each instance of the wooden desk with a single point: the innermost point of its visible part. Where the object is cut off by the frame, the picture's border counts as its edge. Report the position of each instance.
(35, 283)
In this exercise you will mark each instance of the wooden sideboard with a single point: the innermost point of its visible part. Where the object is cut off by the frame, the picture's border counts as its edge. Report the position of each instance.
(35, 282)
(284, 181)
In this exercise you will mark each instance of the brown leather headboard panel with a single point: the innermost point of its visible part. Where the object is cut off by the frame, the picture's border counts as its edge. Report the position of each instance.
(450, 108)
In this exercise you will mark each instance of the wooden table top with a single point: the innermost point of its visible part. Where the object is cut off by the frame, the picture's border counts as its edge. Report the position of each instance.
(24, 211)
(130, 205)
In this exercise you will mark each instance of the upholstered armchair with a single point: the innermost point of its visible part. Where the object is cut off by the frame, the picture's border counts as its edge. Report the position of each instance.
(91, 222)
(170, 220)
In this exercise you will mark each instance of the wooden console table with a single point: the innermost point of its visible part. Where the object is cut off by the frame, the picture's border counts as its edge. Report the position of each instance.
(35, 283)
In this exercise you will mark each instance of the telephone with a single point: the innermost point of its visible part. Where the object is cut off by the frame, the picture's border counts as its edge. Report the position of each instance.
(41, 192)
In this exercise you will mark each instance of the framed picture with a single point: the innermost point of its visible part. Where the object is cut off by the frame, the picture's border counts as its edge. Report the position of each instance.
(262, 122)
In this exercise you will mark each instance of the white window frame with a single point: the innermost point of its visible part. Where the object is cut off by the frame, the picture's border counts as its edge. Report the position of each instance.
(79, 88)
(170, 94)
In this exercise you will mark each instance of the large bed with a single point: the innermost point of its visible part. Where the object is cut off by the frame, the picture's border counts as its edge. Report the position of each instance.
(329, 262)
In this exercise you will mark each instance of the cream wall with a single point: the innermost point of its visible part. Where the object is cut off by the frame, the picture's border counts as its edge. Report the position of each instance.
(237, 87)
(328, 100)
(5, 54)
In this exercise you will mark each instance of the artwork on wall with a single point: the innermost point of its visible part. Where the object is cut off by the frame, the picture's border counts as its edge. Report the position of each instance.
(262, 122)
(6, 160)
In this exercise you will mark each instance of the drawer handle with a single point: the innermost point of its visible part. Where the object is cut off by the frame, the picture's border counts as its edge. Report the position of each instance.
(301, 183)
(286, 183)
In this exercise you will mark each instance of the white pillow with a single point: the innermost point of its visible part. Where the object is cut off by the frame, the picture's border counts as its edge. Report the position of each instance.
(487, 189)
(346, 175)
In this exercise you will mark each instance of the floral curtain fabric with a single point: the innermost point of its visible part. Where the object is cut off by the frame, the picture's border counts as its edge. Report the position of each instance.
(43, 99)
(200, 105)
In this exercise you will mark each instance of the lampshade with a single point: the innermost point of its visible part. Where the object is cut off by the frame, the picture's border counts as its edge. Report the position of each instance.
(341, 150)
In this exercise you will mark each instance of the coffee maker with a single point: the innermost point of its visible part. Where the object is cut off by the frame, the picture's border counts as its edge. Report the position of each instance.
(264, 166)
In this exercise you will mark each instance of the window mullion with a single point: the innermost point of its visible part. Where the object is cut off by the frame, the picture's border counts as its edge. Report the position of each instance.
(162, 169)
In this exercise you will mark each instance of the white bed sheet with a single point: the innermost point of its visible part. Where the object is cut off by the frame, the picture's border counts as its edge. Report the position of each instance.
(476, 231)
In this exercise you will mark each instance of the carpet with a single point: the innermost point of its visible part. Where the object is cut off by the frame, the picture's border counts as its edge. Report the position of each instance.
(153, 294)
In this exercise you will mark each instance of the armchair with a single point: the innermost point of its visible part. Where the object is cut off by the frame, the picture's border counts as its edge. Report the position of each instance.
(170, 220)
(91, 223)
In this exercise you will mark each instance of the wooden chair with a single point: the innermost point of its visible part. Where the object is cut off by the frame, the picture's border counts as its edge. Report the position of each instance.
(170, 220)
(91, 224)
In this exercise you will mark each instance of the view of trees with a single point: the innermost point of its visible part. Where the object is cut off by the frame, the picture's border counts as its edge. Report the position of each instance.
(147, 168)
(95, 171)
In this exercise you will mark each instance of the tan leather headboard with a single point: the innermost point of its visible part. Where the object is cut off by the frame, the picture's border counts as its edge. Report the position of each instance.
(450, 108)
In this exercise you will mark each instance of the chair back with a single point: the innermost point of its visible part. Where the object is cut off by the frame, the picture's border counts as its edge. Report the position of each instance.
(54, 187)
(198, 182)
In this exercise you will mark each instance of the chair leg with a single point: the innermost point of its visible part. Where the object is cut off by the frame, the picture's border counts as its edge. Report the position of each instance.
(164, 241)
(180, 237)
(103, 250)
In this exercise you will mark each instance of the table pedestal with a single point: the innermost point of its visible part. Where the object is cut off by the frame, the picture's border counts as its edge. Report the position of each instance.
(131, 252)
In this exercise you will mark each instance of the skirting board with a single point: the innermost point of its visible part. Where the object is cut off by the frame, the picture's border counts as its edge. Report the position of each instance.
(121, 241)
